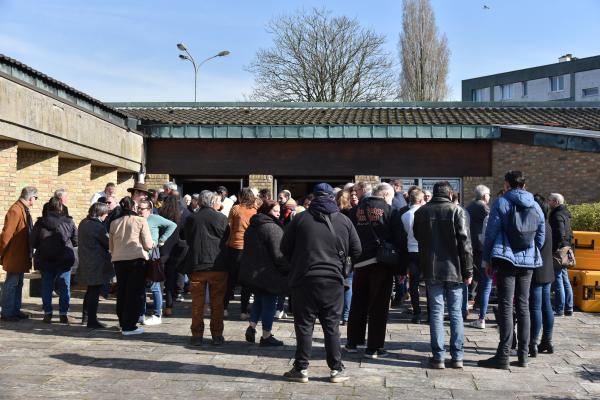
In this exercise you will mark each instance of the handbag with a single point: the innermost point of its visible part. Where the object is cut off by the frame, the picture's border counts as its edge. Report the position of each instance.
(565, 257)
(155, 271)
(387, 254)
(345, 261)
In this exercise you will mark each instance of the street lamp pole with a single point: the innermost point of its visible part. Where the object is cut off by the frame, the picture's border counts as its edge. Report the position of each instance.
(187, 56)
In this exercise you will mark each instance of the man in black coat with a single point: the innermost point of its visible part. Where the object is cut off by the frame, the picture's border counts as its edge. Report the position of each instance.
(562, 236)
(317, 279)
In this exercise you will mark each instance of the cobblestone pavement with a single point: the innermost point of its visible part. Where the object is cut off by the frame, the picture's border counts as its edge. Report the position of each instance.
(39, 360)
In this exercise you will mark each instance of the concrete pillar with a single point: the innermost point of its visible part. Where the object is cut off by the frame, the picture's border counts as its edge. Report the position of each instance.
(74, 176)
(262, 182)
(39, 169)
(8, 175)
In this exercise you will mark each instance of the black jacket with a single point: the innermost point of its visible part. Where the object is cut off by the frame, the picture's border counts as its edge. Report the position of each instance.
(311, 249)
(379, 217)
(60, 258)
(206, 233)
(445, 251)
(560, 221)
(174, 251)
(545, 274)
(95, 266)
(477, 210)
(400, 238)
(263, 267)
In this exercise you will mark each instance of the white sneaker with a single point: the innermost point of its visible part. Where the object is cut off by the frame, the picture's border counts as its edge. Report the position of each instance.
(244, 316)
(153, 320)
(478, 323)
(136, 331)
(141, 319)
(279, 314)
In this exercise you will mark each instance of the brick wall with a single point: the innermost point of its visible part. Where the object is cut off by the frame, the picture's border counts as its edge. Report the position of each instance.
(470, 182)
(156, 181)
(39, 169)
(574, 174)
(99, 177)
(125, 180)
(74, 177)
(8, 174)
(262, 182)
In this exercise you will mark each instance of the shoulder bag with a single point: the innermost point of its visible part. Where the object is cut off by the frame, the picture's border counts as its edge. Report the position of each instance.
(344, 259)
(387, 254)
(155, 268)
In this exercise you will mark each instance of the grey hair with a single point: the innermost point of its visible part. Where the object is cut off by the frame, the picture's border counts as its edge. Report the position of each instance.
(59, 193)
(28, 192)
(383, 188)
(170, 186)
(560, 199)
(480, 191)
(364, 186)
(207, 198)
(97, 210)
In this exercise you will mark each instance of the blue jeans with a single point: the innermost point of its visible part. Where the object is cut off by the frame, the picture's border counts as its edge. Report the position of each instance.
(564, 292)
(263, 309)
(157, 296)
(541, 314)
(63, 284)
(12, 294)
(454, 295)
(484, 288)
(347, 298)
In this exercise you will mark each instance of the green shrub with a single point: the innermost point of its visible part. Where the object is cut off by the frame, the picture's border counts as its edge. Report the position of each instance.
(586, 217)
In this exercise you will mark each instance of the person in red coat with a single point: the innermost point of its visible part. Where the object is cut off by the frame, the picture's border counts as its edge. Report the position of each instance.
(15, 253)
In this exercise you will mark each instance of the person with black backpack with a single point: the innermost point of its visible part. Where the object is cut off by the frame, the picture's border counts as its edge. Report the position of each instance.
(514, 237)
(54, 238)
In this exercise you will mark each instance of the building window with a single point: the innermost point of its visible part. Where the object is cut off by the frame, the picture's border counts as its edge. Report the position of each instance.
(557, 83)
(476, 94)
(590, 91)
(506, 91)
(524, 86)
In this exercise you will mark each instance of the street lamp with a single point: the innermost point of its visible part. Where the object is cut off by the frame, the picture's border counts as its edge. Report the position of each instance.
(188, 56)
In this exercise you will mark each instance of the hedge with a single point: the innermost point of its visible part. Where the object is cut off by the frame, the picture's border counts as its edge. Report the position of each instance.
(586, 217)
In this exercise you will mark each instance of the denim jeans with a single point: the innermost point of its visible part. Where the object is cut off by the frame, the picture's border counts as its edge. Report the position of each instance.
(484, 288)
(63, 283)
(12, 294)
(453, 291)
(541, 314)
(564, 292)
(347, 298)
(263, 309)
(157, 297)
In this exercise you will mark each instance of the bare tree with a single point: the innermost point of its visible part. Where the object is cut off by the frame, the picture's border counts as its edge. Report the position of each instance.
(319, 58)
(423, 54)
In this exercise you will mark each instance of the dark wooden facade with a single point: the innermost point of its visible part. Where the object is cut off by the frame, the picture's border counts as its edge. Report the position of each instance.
(315, 158)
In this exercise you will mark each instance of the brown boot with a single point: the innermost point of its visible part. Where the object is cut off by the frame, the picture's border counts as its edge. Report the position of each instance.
(168, 312)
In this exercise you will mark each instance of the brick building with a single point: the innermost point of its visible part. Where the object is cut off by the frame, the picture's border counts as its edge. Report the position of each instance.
(292, 146)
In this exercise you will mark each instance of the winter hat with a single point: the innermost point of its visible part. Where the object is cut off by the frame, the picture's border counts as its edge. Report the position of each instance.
(322, 188)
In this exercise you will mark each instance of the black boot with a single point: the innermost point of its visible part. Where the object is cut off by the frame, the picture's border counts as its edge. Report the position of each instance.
(546, 346)
(533, 350)
(84, 318)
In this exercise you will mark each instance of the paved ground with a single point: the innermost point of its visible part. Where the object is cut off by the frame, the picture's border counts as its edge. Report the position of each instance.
(39, 360)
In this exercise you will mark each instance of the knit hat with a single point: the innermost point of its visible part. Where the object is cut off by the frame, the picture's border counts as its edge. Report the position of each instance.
(322, 188)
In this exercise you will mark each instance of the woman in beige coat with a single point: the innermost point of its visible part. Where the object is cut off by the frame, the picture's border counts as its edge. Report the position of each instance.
(129, 243)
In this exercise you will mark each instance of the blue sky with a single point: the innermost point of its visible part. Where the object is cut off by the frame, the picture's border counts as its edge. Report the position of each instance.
(125, 50)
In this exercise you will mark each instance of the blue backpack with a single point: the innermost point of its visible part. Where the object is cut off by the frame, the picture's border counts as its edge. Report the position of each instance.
(522, 226)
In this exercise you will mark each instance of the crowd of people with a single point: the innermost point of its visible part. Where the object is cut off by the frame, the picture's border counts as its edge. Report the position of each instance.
(341, 255)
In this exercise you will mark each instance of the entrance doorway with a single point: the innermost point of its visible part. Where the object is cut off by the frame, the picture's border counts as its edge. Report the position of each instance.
(190, 185)
(300, 187)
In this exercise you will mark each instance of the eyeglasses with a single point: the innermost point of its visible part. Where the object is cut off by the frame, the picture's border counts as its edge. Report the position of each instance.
(142, 209)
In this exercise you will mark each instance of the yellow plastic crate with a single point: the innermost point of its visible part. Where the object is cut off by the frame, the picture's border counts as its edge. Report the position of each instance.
(586, 289)
(587, 250)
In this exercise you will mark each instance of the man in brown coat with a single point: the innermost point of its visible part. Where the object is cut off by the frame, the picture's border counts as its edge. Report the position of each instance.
(15, 253)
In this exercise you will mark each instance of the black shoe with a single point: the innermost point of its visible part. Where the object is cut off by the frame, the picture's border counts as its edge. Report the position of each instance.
(523, 362)
(493, 362)
(14, 318)
(295, 375)
(416, 319)
(96, 325)
(545, 347)
(47, 318)
(533, 350)
(67, 319)
(196, 341)
(22, 315)
(218, 341)
(338, 376)
(436, 364)
(568, 313)
(350, 348)
(270, 342)
(251, 335)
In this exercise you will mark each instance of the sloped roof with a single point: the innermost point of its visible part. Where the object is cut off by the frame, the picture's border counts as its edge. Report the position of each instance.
(545, 114)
